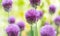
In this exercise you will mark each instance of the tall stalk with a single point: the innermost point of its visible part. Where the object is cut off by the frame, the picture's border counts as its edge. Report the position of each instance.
(32, 34)
(57, 30)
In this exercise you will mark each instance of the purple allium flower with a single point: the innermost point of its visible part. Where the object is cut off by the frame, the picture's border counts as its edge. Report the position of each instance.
(41, 14)
(52, 9)
(11, 20)
(47, 30)
(21, 25)
(12, 30)
(35, 2)
(32, 16)
(47, 23)
(7, 5)
(57, 20)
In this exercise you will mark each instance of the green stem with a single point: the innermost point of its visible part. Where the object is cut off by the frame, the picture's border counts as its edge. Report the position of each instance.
(42, 23)
(57, 30)
(8, 14)
(36, 30)
(32, 31)
(8, 17)
(59, 12)
(35, 7)
(51, 19)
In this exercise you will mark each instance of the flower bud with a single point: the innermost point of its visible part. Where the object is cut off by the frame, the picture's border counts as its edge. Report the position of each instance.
(52, 9)
(21, 25)
(7, 5)
(57, 20)
(11, 20)
(34, 3)
(32, 16)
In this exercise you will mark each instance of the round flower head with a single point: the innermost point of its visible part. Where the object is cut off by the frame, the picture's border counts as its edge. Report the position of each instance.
(21, 25)
(12, 30)
(47, 23)
(32, 15)
(11, 20)
(41, 14)
(34, 3)
(7, 4)
(47, 30)
(52, 9)
(57, 20)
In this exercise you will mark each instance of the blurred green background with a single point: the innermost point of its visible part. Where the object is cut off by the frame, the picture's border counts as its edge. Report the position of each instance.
(19, 9)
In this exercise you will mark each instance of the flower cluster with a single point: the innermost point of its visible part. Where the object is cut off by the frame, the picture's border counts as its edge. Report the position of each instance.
(32, 16)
